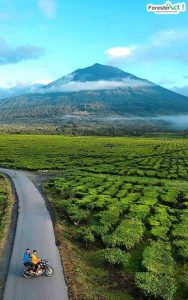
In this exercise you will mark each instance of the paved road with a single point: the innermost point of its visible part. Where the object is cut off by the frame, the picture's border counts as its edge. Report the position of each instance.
(34, 230)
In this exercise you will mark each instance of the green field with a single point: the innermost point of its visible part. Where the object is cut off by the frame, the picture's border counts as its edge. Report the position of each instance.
(145, 157)
(121, 203)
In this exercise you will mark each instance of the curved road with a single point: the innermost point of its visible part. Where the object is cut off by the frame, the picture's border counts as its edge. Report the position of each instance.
(34, 230)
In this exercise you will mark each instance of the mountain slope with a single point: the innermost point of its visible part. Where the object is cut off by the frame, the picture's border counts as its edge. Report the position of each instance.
(96, 77)
(96, 72)
(97, 90)
(19, 90)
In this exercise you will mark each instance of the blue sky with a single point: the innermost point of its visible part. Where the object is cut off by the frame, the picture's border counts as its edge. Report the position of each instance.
(42, 40)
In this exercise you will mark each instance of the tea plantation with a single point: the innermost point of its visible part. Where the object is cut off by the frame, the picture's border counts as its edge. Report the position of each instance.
(125, 202)
(124, 215)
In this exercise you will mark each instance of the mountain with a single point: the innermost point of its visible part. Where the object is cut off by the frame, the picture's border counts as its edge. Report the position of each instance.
(95, 73)
(98, 90)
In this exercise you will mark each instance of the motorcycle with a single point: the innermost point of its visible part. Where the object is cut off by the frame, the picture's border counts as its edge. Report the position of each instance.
(45, 269)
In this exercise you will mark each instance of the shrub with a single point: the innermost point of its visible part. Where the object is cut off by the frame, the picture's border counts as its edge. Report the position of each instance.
(110, 217)
(158, 280)
(128, 234)
(158, 258)
(182, 246)
(100, 230)
(181, 229)
(161, 217)
(156, 285)
(170, 196)
(139, 211)
(115, 256)
(86, 235)
(160, 231)
(148, 200)
(121, 193)
(77, 214)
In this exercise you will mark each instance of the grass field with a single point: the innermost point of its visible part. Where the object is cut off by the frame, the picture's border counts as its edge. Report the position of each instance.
(121, 210)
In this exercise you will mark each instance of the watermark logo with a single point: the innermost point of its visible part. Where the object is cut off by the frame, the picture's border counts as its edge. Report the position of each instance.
(167, 8)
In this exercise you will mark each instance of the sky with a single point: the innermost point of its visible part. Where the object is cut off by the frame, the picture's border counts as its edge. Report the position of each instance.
(42, 40)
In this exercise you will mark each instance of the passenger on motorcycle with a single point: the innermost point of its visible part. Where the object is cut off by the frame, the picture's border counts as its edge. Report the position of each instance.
(35, 260)
(27, 258)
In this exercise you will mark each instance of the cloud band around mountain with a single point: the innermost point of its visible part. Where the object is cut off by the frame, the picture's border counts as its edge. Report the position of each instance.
(76, 86)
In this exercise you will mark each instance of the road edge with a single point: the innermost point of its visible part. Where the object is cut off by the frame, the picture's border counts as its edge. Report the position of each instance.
(9, 234)
(39, 184)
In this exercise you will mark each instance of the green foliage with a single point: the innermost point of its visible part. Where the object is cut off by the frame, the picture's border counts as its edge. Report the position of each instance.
(86, 235)
(115, 256)
(181, 229)
(5, 206)
(182, 246)
(160, 217)
(127, 234)
(149, 157)
(159, 279)
(160, 231)
(158, 258)
(139, 211)
(170, 196)
(159, 286)
(110, 217)
(77, 214)
(117, 195)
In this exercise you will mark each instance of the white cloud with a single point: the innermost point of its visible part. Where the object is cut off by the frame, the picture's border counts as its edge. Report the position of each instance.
(4, 84)
(119, 52)
(166, 44)
(75, 86)
(42, 81)
(19, 84)
(166, 37)
(48, 7)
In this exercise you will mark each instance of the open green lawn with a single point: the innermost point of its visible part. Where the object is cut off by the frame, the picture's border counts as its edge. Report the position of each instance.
(122, 206)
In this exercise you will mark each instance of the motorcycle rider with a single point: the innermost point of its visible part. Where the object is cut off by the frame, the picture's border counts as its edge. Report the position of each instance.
(27, 258)
(35, 260)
